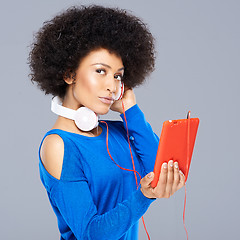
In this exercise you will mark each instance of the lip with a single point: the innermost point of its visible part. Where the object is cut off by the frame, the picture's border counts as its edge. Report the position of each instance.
(107, 100)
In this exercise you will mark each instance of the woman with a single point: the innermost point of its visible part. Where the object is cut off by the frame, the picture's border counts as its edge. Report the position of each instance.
(84, 57)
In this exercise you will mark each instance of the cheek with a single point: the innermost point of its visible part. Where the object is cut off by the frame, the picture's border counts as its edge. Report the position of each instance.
(89, 84)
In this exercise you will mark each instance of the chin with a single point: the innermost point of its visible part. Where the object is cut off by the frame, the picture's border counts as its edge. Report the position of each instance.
(103, 111)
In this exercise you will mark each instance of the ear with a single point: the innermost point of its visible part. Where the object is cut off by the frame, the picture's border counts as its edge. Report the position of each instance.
(69, 81)
(69, 77)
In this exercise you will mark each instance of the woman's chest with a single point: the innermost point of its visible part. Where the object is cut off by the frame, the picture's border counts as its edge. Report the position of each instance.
(107, 169)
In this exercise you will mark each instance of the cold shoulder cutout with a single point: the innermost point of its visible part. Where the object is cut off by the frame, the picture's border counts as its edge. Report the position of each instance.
(51, 153)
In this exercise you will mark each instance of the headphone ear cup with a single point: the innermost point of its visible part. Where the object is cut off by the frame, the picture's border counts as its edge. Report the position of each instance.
(86, 119)
(120, 92)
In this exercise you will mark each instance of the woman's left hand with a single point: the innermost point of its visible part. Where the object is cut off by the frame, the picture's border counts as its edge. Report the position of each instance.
(128, 99)
(171, 179)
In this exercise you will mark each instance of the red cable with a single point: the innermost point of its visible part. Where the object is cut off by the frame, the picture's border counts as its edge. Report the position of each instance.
(129, 144)
(113, 159)
(134, 166)
(132, 162)
(188, 159)
(188, 152)
(184, 210)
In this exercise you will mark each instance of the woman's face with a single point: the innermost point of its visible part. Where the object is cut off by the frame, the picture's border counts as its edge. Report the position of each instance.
(98, 79)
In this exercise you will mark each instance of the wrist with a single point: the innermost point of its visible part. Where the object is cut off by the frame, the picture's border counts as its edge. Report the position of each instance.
(127, 106)
(145, 195)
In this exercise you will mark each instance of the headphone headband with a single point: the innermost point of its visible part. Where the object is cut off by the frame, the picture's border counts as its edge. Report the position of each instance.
(56, 107)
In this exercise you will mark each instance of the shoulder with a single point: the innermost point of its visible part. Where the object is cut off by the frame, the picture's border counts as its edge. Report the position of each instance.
(115, 126)
(114, 123)
(52, 152)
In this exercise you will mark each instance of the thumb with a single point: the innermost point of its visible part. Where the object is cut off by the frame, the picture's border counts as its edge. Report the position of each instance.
(147, 179)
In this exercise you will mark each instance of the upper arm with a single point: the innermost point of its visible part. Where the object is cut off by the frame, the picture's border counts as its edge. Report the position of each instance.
(52, 152)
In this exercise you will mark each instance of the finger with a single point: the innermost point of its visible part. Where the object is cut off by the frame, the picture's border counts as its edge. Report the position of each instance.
(182, 180)
(160, 189)
(145, 185)
(176, 178)
(146, 181)
(169, 179)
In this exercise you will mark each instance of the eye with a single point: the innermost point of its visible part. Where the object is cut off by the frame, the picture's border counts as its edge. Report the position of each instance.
(118, 77)
(101, 71)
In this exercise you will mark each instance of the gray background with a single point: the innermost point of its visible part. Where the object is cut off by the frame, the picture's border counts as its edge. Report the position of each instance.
(197, 69)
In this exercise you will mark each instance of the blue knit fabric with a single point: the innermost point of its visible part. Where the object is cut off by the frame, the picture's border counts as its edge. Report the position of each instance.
(94, 198)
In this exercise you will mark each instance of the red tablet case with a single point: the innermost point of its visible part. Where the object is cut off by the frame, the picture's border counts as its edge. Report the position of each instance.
(176, 143)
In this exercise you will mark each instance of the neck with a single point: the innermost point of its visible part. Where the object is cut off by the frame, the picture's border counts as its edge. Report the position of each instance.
(69, 101)
(69, 126)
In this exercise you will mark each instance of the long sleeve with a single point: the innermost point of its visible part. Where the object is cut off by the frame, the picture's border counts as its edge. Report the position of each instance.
(74, 201)
(143, 138)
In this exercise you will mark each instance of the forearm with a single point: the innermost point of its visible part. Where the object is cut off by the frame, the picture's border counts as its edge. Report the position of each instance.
(115, 223)
(74, 202)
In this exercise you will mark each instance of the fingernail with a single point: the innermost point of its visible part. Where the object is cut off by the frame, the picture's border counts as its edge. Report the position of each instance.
(150, 175)
(171, 163)
(164, 165)
(181, 172)
(176, 165)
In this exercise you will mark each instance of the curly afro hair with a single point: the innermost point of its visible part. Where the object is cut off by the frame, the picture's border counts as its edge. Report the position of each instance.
(62, 42)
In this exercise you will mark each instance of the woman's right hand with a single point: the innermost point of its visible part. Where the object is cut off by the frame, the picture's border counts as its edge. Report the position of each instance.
(128, 99)
(171, 179)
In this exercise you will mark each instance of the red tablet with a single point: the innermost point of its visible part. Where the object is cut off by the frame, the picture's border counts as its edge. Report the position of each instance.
(176, 143)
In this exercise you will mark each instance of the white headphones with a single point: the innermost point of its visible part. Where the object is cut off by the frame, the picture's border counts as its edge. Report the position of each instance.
(84, 118)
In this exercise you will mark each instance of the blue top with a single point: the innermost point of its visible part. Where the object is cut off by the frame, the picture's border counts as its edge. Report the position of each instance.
(94, 198)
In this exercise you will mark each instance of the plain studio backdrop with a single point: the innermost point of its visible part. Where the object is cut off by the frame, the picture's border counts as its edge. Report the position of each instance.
(197, 69)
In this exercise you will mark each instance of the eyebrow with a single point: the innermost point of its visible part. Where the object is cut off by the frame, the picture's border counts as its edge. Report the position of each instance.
(106, 66)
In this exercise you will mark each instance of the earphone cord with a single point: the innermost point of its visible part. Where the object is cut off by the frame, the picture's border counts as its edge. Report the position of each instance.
(134, 166)
(188, 160)
(135, 172)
